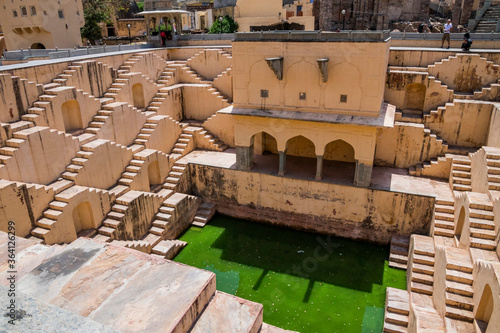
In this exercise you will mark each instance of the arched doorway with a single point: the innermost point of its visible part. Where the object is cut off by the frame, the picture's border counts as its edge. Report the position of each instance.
(339, 163)
(460, 224)
(37, 46)
(300, 157)
(265, 152)
(82, 217)
(154, 175)
(485, 308)
(138, 96)
(415, 96)
(72, 116)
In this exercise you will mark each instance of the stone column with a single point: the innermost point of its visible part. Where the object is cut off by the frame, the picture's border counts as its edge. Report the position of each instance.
(325, 15)
(319, 167)
(282, 168)
(363, 174)
(244, 158)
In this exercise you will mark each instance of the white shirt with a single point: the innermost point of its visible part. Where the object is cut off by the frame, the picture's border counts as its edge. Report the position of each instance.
(447, 27)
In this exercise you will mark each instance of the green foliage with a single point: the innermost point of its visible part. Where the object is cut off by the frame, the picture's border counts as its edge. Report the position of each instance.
(228, 26)
(140, 5)
(95, 12)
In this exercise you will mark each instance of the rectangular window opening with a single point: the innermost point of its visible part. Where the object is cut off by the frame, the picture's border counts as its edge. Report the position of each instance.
(14, 13)
(33, 10)
(61, 14)
(343, 98)
(264, 93)
(24, 12)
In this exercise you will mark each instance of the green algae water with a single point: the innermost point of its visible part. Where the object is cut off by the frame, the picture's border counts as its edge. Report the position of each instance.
(306, 282)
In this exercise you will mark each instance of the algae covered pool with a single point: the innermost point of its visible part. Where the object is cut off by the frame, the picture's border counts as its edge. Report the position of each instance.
(306, 282)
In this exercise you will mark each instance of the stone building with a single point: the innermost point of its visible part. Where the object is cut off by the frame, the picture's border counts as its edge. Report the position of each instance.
(364, 14)
(41, 24)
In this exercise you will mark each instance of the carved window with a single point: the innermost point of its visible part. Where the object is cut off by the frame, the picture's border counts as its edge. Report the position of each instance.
(33, 10)
(24, 12)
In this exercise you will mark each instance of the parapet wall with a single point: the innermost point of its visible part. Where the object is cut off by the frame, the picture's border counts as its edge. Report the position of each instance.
(356, 213)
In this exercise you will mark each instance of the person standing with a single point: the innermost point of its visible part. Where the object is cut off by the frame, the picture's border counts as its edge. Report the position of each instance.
(446, 35)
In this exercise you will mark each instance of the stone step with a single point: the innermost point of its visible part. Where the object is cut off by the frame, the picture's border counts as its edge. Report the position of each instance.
(445, 224)
(485, 244)
(421, 288)
(107, 231)
(458, 301)
(228, 313)
(52, 214)
(422, 278)
(424, 269)
(460, 314)
(444, 232)
(461, 187)
(156, 231)
(163, 216)
(481, 214)
(46, 223)
(445, 209)
(394, 248)
(160, 223)
(119, 208)
(482, 233)
(116, 215)
(444, 216)
(112, 223)
(459, 288)
(392, 328)
(398, 258)
(39, 232)
(391, 264)
(461, 167)
(57, 205)
(458, 276)
(396, 319)
(482, 224)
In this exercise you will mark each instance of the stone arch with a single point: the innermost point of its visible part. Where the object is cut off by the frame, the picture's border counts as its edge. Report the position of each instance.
(72, 116)
(300, 146)
(154, 173)
(138, 96)
(485, 307)
(264, 144)
(38, 46)
(460, 224)
(415, 96)
(299, 157)
(339, 150)
(82, 217)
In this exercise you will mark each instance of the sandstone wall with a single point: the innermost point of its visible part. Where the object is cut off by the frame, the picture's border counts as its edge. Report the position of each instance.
(356, 213)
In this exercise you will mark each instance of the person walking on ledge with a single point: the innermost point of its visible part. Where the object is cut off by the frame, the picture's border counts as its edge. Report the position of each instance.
(446, 35)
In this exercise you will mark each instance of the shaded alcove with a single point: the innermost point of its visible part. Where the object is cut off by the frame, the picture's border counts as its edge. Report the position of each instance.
(485, 308)
(38, 46)
(300, 157)
(339, 164)
(138, 96)
(265, 149)
(154, 175)
(72, 116)
(460, 224)
(82, 217)
(415, 96)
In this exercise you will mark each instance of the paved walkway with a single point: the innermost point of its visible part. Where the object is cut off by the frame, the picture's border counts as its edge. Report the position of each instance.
(383, 178)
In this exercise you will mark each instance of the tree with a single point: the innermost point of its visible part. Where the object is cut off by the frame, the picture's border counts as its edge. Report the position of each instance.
(95, 12)
(228, 26)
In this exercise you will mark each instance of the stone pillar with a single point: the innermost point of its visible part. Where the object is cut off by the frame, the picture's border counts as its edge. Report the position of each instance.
(325, 15)
(456, 15)
(363, 174)
(319, 167)
(282, 168)
(466, 11)
(244, 158)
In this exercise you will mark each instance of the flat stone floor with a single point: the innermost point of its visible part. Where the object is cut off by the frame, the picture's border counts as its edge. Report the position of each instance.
(383, 178)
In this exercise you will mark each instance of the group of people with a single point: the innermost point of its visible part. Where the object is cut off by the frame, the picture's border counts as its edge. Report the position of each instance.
(466, 43)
